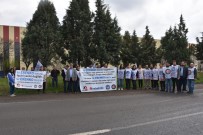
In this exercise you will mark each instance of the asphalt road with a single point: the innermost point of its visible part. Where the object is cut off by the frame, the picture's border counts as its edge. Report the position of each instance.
(108, 113)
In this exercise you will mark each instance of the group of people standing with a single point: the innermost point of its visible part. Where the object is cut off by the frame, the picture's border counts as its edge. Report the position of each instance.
(170, 78)
(71, 76)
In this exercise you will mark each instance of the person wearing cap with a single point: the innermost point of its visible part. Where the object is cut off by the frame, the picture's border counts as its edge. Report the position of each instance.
(11, 81)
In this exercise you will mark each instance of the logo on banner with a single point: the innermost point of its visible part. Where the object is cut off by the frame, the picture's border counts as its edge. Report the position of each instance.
(18, 85)
(85, 88)
(107, 87)
(40, 86)
(35, 86)
(113, 86)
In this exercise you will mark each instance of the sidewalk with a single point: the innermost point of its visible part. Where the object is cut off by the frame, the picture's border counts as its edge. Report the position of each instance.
(62, 96)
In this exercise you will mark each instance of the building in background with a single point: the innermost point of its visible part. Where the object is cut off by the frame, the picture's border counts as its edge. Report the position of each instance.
(10, 46)
(10, 49)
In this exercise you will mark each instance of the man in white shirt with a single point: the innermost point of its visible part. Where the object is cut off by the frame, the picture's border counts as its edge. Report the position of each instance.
(147, 77)
(128, 71)
(167, 76)
(174, 75)
(192, 75)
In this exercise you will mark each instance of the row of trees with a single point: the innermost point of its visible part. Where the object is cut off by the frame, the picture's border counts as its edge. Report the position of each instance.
(86, 37)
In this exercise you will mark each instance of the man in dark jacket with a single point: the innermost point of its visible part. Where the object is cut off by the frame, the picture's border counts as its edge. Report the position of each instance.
(54, 75)
(63, 74)
(71, 77)
(182, 77)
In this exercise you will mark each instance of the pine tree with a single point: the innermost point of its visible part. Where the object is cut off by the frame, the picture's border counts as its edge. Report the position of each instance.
(175, 43)
(167, 45)
(41, 37)
(106, 36)
(126, 48)
(135, 48)
(77, 32)
(148, 49)
(199, 48)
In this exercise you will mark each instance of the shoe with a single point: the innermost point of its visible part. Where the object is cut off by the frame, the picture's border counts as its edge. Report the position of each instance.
(189, 92)
(12, 95)
(121, 88)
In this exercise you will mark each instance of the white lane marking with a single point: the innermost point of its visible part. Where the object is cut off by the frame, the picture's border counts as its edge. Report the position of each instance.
(158, 121)
(94, 132)
(139, 124)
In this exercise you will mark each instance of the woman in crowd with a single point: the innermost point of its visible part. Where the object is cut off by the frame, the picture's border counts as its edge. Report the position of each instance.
(147, 77)
(151, 75)
(121, 71)
(140, 77)
(161, 78)
(128, 71)
(78, 78)
(11, 81)
(155, 78)
(134, 76)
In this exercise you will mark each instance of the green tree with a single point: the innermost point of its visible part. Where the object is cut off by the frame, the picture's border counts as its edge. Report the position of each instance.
(77, 32)
(199, 48)
(175, 43)
(42, 34)
(27, 56)
(126, 48)
(130, 48)
(147, 49)
(135, 48)
(106, 37)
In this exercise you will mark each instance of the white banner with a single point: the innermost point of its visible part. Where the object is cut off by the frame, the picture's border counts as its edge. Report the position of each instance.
(98, 79)
(29, 79)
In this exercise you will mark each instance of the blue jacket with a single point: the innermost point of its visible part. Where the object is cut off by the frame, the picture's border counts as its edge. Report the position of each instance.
(10, 78)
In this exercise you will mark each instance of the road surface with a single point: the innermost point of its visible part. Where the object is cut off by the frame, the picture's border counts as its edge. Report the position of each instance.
(107, 113)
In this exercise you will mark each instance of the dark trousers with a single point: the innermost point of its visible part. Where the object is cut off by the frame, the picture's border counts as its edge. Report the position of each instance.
(175, 84)
(78, 85)
(127, 81)
(182, 82)
(134, 82)
(162, 84)
(72, 86)
(44, 86)
(65, 83)
(140, 83)
(11, 88)
(156, 85)
(152, 84)
(54, 82)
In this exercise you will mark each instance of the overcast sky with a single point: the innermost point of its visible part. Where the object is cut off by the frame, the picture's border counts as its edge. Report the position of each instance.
(159, 15)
